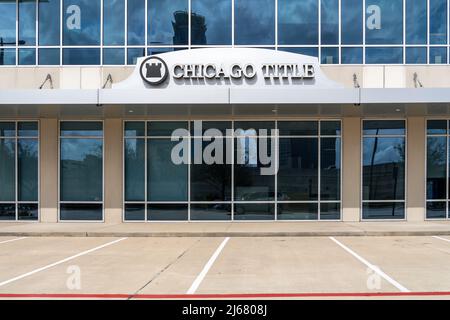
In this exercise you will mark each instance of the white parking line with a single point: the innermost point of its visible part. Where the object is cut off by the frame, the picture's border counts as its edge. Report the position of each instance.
(436, 237)
(59, 262)
(371, 266)
(206, 268)
(11, 240)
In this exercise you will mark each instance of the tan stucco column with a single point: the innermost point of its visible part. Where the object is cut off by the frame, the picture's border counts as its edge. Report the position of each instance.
(49, 170)
(351, 169)
(415, 189)
(113, 170)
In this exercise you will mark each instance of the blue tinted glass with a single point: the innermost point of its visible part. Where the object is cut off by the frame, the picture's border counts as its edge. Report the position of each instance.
(211, 22)
(134, 128)
(81, 169)
(27, 57)
(384, 21)
(49, 57)
(7, 129)
(416, 21)
(136, 22)
(152, 51)
(49, 22)
(134, 169)
(384, 55)
(383, 168)
(352, 55)
(7, 23)
(436, 210)
(330, 168)
(27, 22)
(113, 22)
(168, 22)
(438, 55)
(134, 212)
(310, 51)
(352, 21)
(255, 22)
(384, 127)
(330, 56)
(134, 54)
(81, 56)
(27, 129)
(330, 21)
(436, 167)
(81, 128)
(436, 126)
(7, 169)
(113, 56)
(386, 210)
(27, 169)
(438, 21)
(297, 21)
(7, 57)
(81, 22)
(416, 55)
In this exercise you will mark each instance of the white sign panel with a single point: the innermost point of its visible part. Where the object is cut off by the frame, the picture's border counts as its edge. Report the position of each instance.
(221, 67)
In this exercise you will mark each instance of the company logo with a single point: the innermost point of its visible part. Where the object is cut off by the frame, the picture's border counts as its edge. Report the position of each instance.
(154, 71)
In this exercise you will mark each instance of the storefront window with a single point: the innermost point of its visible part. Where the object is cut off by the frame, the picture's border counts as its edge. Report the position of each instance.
(81, 170)
(437, 169)
(19, 170)
(384, 159)
(306, 186)
(254, 22)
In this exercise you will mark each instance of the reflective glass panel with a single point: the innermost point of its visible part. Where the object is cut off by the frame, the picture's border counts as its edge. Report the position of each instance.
(27, 57)
(134, 128)
(438, 55)
(7, 23)
(113, 56)
(81, 128)
(167, 181)
(7, 57)
(27, 22)
(81, 23)
(330, 211)
(436, 210)
(298, 22)
(27, 166)
(167, 22)
(211, 22)
(254, 211)
(81, 169)
(49, 22)
(416, 55)
(7, 170)
(298, 128)
(213, 211)
(384, 22)
(436, 167)
(134, 212)
(330, 169)
(297, 211)
(308, 51)
(352, 21)
(81, 56)
(330, 55)
(49, 57)
(167, 212)
(136, 22)
(28, 212)
(437, 126)
(416, 21)
(27, 129)
(113, 22)
(352, 55)
(7, 129)
(330, 128)
(165, 128)
(438, 21)
(384, 210)
(384, 127)
(7, 211)
(255, 22)
(330, 21)
(134, 169)
(133, 54)
(384, 55)
(81, 211)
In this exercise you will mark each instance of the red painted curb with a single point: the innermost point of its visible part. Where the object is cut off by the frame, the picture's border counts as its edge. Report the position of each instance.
(224, 296)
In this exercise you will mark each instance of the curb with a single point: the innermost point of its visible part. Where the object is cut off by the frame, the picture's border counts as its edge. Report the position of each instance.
(228, 234)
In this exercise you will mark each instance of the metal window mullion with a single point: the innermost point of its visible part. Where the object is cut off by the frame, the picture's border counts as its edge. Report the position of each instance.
(189, 23)
(190, 140)
(428, 31)
(364, 32)
(404, 31)
(340, 30)
(17, 32)
(16, 171)
(319, 19)
(101, 31)
(61, 30)
(36, 56)
(446, 171)
(126, 32)
(232, 171)
(276, 175)
(232, 23)
(145, 173)
(146, 27)
(276, 24)
(319, 171)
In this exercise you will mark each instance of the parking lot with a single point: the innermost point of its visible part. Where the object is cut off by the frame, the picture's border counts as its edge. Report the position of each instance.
(250, 267)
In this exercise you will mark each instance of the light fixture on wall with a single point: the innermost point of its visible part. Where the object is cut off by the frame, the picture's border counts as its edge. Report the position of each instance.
(109, 79)
(417, 83)
(50, 81)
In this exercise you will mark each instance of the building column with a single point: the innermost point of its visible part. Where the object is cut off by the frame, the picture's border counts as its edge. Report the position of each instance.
(113, 179)
(351, 169)
(48, 170)
(415, 173)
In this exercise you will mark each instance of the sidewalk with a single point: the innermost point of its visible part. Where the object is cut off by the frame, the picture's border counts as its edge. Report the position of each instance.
(226, 229)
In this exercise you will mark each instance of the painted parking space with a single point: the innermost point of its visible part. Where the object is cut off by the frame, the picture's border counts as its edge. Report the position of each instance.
(287, 265)
(4, 240)
(133, 266)
(418, 263)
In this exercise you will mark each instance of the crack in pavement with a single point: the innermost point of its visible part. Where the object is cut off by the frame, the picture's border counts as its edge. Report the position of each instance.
(131, 296)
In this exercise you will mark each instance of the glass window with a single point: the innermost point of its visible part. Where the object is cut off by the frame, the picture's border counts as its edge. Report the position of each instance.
(438, 55)
(7, 23)
(330, 169)
(384, 55)
(81, 23)
(214, 211)
(384, 22)
(255, 22)
(438, 21)
(7, 57)
(134, 212)
(211, 22)
(298, 128)
(254, 211)
(113, 23)
(27, 22)
(133, 54)
(134, 169)
(329, 21)
(167, 22)
(330, 211)
(19, 170)
(308, 51)
(49, 57)
(49, 22)
(81, 56)
(384, 160)
(352, 21)
(416, 21)
(136, 22)
(164, 128)
(298, 211)
(27, 57)
(351, 55)
(298, 22)
(167, 212)
(113, 56)
(437, 127)
(330, 55)
(81, 170)
(135, 129)
(416, 55)
(436, 210)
